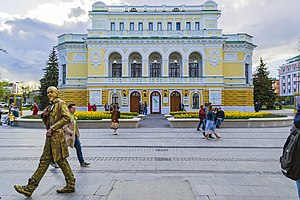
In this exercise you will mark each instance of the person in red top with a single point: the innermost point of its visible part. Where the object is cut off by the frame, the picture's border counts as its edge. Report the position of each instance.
(35, 109)
(90, 107)
(201, 116)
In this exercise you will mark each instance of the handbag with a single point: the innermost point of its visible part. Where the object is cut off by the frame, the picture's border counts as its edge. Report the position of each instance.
(70, 140)
(114, 125)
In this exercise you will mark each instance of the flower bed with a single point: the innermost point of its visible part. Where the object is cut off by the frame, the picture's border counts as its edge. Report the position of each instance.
(91, 115)
(230, 115)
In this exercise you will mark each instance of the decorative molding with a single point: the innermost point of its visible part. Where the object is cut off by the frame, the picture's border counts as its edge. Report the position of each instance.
(214, 57)
(95, 58)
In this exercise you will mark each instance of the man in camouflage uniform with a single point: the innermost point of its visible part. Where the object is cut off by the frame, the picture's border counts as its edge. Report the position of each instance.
(55, 116)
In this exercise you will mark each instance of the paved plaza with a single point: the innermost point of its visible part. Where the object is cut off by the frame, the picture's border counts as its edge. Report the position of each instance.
(154, 163)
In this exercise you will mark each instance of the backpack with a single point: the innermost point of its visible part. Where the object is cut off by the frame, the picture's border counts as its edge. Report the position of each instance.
(290, 159)
(119, 114)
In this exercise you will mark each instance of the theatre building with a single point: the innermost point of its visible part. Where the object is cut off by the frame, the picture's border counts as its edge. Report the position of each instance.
(163, 55)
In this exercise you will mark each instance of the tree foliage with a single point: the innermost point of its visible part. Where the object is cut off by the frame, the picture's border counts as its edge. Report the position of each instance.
(263, 91)
(50, 77)
(3, 91)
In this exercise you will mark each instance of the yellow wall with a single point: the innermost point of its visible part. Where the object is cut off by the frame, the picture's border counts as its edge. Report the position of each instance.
(233, 69)
(238, 98)
(77, 96)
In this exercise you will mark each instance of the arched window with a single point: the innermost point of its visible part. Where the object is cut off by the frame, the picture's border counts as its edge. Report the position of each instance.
(135, 64)
(195, 100)
(174, 65)
(194, 65)
(115, 61)
(155, 65)
(115, 99)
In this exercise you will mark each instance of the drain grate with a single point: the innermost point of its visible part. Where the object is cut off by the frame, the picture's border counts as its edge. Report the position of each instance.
(173, 159)
(161, 149)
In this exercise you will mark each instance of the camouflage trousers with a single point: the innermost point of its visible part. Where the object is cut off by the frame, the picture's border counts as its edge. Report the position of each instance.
(45, 161)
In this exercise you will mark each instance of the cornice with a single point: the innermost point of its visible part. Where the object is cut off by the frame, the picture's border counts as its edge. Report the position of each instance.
(162, 42)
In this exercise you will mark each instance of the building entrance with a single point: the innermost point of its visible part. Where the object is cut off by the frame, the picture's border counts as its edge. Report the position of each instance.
(175, 101)
(155, 103)
(134, 102)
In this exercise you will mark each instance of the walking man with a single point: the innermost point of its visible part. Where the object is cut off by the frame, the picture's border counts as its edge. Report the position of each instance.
(55, 116)
(73, 130)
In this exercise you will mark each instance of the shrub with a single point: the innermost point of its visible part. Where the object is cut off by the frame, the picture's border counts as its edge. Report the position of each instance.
(91, 115)
(230, 115)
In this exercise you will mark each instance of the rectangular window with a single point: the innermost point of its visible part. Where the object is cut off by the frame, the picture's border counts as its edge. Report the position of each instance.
(169, 28)
(117, 70)
(150, 28)
(112, 26)
(121, 26)
(155, 69)
(174, 70)
(159, 26)
(140, 26)
(131, 26)
(178, 26)
(193, 69)
(136, 70)
(188, 26)
(197, 26)
(247, 73)
(64, 73)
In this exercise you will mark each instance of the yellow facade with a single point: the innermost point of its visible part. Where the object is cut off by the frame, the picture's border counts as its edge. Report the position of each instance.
(162, 57)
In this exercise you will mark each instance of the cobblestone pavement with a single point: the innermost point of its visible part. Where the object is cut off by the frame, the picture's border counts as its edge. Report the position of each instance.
(154, 164)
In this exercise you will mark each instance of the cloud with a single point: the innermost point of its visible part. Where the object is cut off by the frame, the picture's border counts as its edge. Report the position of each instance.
(28, 43)
(76, 12)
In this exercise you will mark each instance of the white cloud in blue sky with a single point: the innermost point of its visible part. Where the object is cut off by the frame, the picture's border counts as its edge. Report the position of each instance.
(29, 29)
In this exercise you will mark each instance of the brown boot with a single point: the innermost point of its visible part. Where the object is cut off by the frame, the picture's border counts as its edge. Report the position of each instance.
(27, 190)
(69, 188)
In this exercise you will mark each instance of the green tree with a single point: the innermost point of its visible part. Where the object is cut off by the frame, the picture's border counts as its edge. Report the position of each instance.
(3, 91)
(263, 91)
(26, 93)
(50, 77)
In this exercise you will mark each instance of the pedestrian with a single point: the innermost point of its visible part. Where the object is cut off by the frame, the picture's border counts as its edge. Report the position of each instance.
(72, 130)
(1, 110)
(292, 150)
(35, 109)
(201, 117)
(145, 108)
(181, 107)
(209, 126)
(55, 116)
(256, 106)
(11, 119)
(90, 107)
(106, 107)
(140, 107)
(16, 111)
(94, 107)
(220, 117)
(115, 115)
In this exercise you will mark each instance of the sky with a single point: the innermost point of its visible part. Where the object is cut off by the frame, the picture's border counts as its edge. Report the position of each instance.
(29, 29)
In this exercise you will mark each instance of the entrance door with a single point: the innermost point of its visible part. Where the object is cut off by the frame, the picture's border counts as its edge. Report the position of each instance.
(134, 102)
(155, 103)
(175, 101)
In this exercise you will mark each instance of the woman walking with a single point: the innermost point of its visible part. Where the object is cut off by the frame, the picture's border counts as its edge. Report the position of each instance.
(210, 125)
(115, 115)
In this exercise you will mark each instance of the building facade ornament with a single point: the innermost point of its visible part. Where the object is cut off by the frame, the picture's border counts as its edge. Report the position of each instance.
(214, 57)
